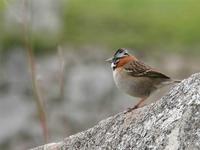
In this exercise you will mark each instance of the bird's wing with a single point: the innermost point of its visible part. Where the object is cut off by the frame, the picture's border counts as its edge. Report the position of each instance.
(139, 69)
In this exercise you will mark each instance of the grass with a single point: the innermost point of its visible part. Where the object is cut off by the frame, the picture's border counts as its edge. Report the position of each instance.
(141, 24)
(165, 25)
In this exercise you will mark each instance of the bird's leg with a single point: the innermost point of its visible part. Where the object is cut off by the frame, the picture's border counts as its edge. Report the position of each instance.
(138, 105)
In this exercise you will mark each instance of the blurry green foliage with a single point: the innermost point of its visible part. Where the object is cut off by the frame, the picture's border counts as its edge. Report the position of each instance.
(141, 24)
(2, 4)
(133, 23)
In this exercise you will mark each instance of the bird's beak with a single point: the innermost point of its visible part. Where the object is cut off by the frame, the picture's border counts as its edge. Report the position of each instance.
(109, 60)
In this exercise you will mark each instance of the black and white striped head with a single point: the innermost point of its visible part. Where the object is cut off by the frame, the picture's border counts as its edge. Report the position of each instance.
(120, 53)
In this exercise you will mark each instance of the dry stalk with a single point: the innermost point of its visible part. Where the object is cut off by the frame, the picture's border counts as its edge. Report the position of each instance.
(62, 70)
(37, 92)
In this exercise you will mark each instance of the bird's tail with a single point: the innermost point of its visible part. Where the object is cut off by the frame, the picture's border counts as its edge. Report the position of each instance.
(176, 81)
(169, 82)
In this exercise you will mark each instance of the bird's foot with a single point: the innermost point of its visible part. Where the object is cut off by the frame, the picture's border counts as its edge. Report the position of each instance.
(131, 109)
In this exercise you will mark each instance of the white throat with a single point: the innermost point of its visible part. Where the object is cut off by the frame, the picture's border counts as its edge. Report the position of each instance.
(113, 65)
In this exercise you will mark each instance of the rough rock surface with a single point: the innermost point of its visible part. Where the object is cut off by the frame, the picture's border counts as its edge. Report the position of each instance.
(172, 123)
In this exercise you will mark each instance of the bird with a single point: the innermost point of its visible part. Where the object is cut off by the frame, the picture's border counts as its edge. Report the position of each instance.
(135, 78)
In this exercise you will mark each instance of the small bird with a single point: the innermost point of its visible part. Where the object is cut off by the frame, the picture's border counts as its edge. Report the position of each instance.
(136, 78)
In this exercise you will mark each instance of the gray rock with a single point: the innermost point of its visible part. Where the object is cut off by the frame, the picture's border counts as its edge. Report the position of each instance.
(172, 123)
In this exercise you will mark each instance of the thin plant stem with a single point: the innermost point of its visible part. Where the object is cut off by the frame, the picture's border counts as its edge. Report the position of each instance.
(62, 70)
(38, 97)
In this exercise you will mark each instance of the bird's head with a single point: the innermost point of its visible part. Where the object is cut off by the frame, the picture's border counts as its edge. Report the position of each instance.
(119, 54)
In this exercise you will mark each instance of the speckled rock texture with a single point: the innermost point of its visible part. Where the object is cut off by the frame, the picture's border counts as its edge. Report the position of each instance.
(172, 123)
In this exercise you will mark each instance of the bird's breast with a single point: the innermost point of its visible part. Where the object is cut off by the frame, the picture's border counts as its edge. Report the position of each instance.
(134, 86)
